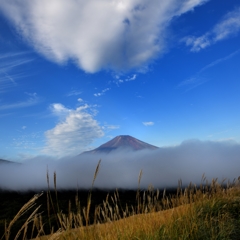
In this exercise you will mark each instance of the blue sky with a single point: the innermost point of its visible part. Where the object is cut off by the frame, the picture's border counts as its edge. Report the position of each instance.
(74, 74)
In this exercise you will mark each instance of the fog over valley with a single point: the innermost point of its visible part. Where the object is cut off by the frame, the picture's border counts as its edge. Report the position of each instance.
(162, 167)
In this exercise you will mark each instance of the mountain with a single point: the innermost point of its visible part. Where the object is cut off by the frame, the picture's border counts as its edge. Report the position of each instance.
(122, 142)
(5, 161)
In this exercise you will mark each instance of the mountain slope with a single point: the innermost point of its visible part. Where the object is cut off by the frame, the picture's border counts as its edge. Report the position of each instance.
(122, 142)
(5, 161)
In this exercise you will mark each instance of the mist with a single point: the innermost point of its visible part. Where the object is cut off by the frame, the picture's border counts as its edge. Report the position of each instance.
(161, 168)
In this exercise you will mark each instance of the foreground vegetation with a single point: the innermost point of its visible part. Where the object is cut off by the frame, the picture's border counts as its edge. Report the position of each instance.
(209, 211)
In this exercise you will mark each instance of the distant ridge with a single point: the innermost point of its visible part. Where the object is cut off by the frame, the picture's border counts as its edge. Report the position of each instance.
(122, 142)
(5, 161)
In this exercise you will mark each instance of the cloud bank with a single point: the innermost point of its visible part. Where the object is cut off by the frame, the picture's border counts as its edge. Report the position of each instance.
(227, 27)
(96, 34)
(161, 168)
(76, 129)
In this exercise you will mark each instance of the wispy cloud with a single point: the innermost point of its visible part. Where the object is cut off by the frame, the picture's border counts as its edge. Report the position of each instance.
(118, 79)
(76, 129)
(32, 100)
(197, 79)
(148, 123)
(5, 114)
(220, 60)
(134, 76)
(229, 26)
(67, 30)
(102, 92)
(73, 93)
(9, 69)
(111, 127)
(217, 134)
(192, 82)
(26, 144)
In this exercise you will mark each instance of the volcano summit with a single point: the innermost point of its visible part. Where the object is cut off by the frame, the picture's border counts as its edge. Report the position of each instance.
(123, 142)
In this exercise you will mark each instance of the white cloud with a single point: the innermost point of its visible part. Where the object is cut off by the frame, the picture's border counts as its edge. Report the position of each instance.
(117, 34)
(59, 109)
(134, 76)
(123, 79)
(74, 133)
(102, 92)
(227, 27)
(24, 127)
(74, 93)
(148, 123)
(111, 127)
(80, 100)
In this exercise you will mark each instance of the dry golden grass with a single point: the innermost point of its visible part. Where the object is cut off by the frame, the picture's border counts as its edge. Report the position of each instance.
(32, 218)
(127, 228)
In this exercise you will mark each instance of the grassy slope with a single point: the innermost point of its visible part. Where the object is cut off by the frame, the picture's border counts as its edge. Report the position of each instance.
(196, 221)
(128, 228)
(211, 215)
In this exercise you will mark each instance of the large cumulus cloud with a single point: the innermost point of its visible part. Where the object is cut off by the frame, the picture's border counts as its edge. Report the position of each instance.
(75, 130)
(96, 34)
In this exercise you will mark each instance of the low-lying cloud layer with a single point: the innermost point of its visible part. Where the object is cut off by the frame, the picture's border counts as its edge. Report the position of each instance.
(161, 168)
(96, 34)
